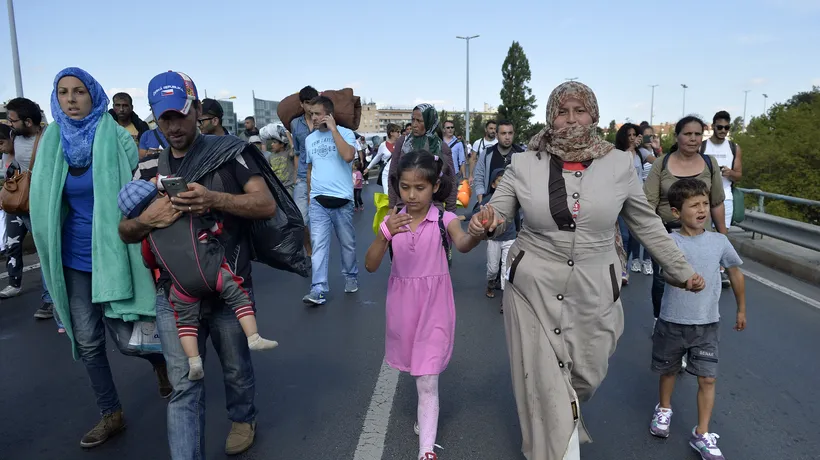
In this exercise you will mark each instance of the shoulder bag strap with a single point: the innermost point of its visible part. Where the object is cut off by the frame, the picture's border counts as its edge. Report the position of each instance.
(34, 149)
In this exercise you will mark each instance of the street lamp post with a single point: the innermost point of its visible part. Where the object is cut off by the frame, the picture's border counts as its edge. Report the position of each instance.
(683, 112)
(652, 107)
(745, 98)
(765, 99)
(15, 54)
(467, 108)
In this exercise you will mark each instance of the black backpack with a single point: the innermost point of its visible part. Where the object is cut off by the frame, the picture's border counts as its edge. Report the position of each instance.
(444, 242)
(705, 157)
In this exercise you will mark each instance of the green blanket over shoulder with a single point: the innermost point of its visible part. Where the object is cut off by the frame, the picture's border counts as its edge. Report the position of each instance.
(119, 278)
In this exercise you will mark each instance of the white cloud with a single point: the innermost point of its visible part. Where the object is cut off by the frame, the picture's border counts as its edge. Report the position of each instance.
(223, 93)
(638, 105)
(135, 93)
(815, 82)
(759, 81)
(753, 39)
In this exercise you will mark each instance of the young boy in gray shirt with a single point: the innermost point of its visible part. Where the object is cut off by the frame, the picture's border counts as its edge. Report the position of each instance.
(688, 324)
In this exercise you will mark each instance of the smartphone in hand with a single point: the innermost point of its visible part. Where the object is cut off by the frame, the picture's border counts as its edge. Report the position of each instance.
(174, 185)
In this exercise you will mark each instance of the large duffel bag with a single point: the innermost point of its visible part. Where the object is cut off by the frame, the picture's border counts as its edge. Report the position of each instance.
(347, 108)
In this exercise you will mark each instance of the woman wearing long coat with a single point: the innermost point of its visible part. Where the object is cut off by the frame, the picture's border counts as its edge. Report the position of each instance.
(562, 307)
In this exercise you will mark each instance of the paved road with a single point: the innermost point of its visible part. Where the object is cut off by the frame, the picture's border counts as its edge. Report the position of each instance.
(313, 391)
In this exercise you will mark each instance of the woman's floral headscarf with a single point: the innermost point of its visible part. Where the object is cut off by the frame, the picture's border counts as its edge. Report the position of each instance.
(576, 143)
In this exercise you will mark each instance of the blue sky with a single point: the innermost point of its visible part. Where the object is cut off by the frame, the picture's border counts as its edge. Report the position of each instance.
(409, 54)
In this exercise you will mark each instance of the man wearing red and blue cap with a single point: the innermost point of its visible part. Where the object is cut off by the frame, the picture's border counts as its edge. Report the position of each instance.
(236, 190)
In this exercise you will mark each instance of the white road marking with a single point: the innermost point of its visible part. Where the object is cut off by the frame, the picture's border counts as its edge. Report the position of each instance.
(374, 431)
(27, 268)
(783, 289)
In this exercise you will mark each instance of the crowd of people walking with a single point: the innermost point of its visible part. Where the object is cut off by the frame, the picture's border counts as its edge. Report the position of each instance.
(566, 219)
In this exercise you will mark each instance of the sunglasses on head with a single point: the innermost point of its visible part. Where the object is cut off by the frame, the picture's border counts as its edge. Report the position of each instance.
(722, 127)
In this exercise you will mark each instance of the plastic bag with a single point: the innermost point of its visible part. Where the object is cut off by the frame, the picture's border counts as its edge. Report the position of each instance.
(145, 337)
(382, 203)
(279, 241)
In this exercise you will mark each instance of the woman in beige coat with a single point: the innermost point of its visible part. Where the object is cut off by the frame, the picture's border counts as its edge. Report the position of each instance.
(562, 307)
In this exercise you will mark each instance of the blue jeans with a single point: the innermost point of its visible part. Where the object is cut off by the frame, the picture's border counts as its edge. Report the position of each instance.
(89, 334)
(632, 246)
(323, 221)
(300, 196)
(45, 295)
(186, 409)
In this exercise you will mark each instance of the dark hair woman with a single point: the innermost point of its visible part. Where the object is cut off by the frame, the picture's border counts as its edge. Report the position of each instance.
(683, 161)
(95, 279)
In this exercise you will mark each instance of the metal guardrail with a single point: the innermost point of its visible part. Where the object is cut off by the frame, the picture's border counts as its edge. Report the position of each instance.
(792, 231)
(761, 195)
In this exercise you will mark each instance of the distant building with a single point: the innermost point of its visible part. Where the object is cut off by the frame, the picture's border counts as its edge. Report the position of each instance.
(229, 116)
(264, 111)
(370, 119)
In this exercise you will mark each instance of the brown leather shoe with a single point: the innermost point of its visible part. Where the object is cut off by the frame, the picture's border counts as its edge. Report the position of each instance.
(108, 426)
(240, 438)
(165, 387)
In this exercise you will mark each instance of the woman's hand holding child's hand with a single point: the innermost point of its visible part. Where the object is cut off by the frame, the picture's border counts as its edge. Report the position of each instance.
(483, 222)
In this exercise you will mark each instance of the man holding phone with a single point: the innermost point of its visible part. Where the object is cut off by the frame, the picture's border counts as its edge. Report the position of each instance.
(243, 195)
(330, 149)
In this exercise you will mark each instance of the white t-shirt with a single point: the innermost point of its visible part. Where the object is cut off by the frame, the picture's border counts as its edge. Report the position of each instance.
(23, 147)
(480, 146)
(723, 154)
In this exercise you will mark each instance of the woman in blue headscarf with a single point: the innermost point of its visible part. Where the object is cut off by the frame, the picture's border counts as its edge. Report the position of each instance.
(84, 158)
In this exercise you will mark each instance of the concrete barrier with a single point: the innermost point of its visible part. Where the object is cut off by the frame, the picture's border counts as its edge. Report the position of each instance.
(788, 258)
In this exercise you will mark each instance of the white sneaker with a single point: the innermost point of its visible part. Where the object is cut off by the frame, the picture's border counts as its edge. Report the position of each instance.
(10, 291)
(647, 268)
(636, 266)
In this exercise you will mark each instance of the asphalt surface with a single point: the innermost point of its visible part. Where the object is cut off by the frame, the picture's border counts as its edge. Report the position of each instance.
(314, 390)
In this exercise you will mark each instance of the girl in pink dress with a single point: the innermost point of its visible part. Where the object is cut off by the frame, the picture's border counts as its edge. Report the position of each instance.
(421, 313)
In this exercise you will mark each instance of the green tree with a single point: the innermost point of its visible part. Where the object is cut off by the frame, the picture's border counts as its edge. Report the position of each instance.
(456, 117)
(533, 129)
(476, 127)
(781, 154)
(517, 101)
(737, 125)
(611, 132)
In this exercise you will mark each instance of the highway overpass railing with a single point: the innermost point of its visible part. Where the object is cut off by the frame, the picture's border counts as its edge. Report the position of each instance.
(792, 231)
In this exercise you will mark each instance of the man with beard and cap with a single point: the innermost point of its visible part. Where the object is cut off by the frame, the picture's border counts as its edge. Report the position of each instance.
(210, 122)
(240, 195)
(123, 112)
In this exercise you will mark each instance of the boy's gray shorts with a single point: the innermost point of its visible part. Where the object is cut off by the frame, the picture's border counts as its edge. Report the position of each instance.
(698, 342)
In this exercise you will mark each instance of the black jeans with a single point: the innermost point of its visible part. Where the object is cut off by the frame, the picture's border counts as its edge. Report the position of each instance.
(17, 227)
(357, 197)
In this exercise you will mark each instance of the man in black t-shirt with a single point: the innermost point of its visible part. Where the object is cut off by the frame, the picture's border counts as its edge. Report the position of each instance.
(242, 195)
